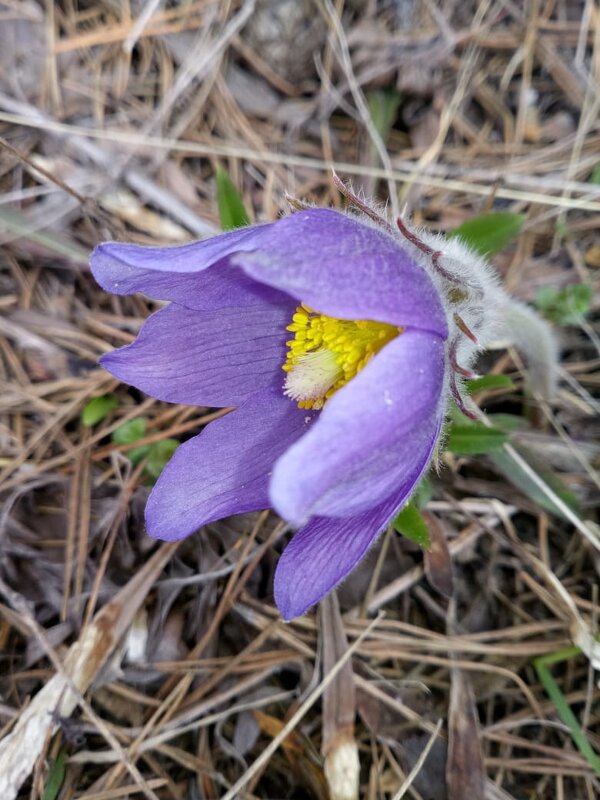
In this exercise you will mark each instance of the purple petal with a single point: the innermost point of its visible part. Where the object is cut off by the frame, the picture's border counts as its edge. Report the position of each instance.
(345, 268)
(324, 552)
(370, 435)
(182, 273)
(334, 263)
(225, 469)
(216, 358)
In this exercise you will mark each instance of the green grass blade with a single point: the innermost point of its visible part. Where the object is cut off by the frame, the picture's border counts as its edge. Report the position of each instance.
(232, 211)
(563, 709)
(56, 777)
(17, 224)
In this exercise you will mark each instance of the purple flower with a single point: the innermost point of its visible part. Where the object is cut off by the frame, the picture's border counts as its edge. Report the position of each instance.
(329, 338)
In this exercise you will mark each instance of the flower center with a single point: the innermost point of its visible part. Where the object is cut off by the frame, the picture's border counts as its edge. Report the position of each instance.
(326, 353)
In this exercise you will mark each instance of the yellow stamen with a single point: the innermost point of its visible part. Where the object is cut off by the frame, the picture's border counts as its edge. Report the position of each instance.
(326, 353)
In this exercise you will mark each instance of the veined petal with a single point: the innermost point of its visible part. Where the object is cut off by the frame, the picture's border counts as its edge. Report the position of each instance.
(344, 268)
(326, 550)
(183, 274)
(225, 469)
(335, 264)
(373, 432)
(210, 358)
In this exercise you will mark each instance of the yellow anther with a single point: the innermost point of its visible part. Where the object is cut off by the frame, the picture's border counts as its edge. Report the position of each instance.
(327, 352)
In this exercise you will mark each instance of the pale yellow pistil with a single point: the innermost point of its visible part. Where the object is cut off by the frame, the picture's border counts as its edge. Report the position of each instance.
(326, 353)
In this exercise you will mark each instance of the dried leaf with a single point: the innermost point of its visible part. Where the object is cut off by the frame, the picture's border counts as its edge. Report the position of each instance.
(592, 256)
(296, 748)
(20, 750)
(465, 770)
(126, 205)
(19, 226)
(438, 561)
(342, 767)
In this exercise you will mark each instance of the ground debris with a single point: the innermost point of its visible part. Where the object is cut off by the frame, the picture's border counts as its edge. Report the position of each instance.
(152, 671)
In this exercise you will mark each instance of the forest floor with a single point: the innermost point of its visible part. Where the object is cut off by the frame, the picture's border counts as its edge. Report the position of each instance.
(131, 668)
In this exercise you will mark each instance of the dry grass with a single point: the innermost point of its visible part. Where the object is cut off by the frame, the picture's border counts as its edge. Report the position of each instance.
(166, 672)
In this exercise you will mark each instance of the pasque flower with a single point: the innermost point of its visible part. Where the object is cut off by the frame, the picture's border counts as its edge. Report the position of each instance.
(337, 338)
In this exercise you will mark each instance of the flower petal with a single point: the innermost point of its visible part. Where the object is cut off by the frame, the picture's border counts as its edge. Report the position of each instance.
(225, 469)
(324, 552)
(345, 268)
(215, 358)
(370, 435)
(182, 274)
(336, 264)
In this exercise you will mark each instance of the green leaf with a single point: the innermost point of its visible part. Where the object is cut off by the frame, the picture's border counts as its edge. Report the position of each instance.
(136, 454)
(383, 105)
(56, 777)
(130, 431)
(232, 212)
(490, 233)
(423, 493)
(507, 422)
(567, 306)
(488, 382)
(159, 455)
(595, 176)
(474, 438)
(514, 473)
(411, 524)
(97, 408)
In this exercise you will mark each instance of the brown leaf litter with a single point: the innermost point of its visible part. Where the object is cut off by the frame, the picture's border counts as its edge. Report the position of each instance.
(166, 672)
